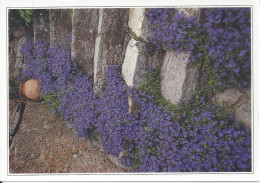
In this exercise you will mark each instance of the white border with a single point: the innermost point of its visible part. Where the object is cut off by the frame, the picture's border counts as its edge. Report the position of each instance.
(125, 177)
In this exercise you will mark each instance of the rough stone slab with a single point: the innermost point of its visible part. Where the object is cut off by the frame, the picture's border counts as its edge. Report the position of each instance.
(19, 37)
(190, 11)
(19, 63)
(179, 79)
(191, 82)
(111, 42)
(46, 144)
(130, 62)
(243, 114)
(60, 26)
(140, 56)
(239, 102)
(41, 30)
(138, 23)
(84, 33)
(228, 97)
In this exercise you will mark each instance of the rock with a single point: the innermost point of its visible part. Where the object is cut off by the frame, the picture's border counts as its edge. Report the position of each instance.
(239, 102)
(228, 97)
(191, 82)
(140, 54)
(17, 38)
(179, 79)
(19, 61)
(60, 26)
(243, 114)
(40, 27)
(111, 42)
(138, 23)
(190, 11)
(130, 62)
(138, 57)
(84, 32)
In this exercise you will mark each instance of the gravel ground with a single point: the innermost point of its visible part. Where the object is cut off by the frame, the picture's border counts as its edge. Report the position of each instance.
(46, 144)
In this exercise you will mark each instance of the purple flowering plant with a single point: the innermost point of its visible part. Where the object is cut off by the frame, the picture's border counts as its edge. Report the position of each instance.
(219, 41)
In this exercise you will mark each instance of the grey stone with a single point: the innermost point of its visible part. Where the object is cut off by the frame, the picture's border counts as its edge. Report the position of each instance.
(179, 79)
(228, 97)
(190, 11)
(243, 114)
(111, 42)
(138, 57)
(138, 23)
(20, 35)
(140, 54)
(84, 33)
(191, 82)
(60, 26)
(239, 102)
(41, 30)
(19, 63)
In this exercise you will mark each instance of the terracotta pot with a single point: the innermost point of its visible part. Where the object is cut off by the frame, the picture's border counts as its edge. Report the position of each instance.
(30, 89)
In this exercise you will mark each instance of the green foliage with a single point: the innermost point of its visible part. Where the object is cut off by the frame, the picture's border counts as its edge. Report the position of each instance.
(26, 15)
(51, 102)
(151, 85)
(70, 13)
(13, 86)
(20, 16)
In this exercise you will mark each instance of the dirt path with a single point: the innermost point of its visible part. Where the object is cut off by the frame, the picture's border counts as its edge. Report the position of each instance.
(46, 144)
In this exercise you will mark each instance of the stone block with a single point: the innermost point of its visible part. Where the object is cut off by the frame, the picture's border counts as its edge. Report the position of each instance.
(111, 42)
(140, 54)
(243, 114)
(19, 63)
(239, 102)
(84, 33)
(228, 97)
(41, 30)
(138, 23)
(60, 26)
(179, 79)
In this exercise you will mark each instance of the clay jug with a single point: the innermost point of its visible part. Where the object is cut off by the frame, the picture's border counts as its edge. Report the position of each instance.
(30, 89)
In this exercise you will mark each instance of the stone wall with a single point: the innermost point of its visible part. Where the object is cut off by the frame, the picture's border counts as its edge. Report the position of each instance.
(120, 36)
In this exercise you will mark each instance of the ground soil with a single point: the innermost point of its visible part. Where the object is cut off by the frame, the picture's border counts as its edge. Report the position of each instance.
(46, 144)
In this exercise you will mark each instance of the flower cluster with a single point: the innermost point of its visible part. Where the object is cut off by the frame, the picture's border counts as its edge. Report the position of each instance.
(113, 112)
(64, 88)
(221, 38)
(230, 45)
(173, 30)
(190, 137)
